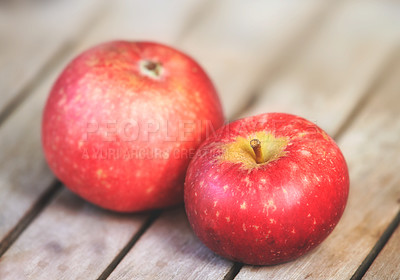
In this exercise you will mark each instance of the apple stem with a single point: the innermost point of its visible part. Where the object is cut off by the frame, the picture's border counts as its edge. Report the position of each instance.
(256, 145)
(151, 69)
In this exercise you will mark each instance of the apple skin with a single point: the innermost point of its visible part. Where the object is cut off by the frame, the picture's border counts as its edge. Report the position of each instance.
(115, 125)
(265, 214)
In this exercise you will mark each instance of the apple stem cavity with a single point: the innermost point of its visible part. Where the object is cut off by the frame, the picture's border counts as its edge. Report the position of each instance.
(151, 69)
(256, 145)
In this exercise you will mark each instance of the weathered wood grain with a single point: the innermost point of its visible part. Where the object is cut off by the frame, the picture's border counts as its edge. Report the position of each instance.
(240, 43)
(386, 265)
(23, 172)
(169, 250)
(154, 20)
(72, 243)
(371, 149)
(194, 260)
(342, 60)
(330, 78)
(31, 35)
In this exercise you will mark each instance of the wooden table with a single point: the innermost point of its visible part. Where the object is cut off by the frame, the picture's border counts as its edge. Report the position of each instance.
(334, 62)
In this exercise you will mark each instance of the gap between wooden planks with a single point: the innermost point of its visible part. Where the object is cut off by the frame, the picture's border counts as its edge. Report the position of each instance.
(386, 264)
(53, 77)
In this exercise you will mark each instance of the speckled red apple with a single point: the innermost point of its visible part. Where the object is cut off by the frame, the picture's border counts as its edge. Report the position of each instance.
(266, 189)
(123, 120)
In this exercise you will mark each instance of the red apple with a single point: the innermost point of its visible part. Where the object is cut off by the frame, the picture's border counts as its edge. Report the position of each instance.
(266, 189)
(123, 120)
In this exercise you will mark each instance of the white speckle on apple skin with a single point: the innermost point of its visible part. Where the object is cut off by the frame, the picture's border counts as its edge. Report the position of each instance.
(243, 205)
(217, 214)
(293, 166)
(248, 182)
(305, 180)
(62, 101)
(228, 219)
(226, 187)
(99, 173)
(305, 153)
(269, 205)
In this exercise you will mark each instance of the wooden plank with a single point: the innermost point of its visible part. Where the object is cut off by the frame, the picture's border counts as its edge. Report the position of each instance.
(150, 249)
(169, 250)
(21, 150)
(153, 20)
(240, 43)
(371, 138)
(31, 35)
(74, 247)
(24, 174)
(386, 265)
(338, 66)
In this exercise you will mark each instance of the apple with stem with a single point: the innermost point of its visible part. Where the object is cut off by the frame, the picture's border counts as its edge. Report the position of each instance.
(266, 189)
(123, 120)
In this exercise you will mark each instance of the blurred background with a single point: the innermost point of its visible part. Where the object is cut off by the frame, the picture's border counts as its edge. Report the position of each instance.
(334, 62)
(249, 48)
